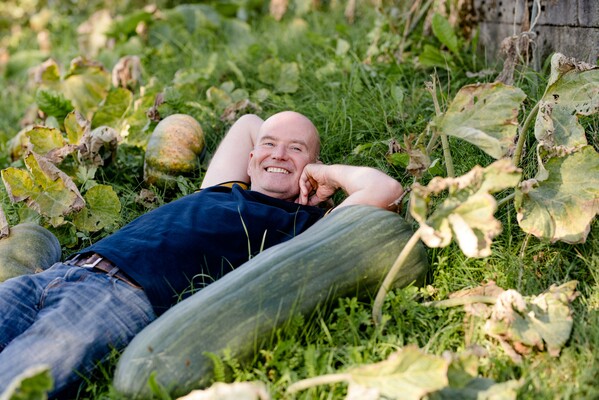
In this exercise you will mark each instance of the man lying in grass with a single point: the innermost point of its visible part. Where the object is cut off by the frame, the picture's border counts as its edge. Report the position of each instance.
(71, 315)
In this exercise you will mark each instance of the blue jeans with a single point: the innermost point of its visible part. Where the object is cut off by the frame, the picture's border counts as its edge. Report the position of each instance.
(66, 317)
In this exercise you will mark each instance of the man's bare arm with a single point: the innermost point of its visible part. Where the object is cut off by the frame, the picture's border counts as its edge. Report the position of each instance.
(230, 161)
(363, 185)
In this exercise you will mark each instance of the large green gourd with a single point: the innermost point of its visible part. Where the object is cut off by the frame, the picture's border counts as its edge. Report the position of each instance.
(28, 248)
(346, 254)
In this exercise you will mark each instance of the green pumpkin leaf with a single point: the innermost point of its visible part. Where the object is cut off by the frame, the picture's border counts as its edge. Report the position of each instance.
(113, 108)
(573, 91)
(102, 209)
(220, 98)
(44, 139)
(485, 115)
(86, 85)
(467, 212)
(32, 384)
(53, 103)
(443, 31)
(562, 206)
(433, 57)
(44, 188)
(284, 77)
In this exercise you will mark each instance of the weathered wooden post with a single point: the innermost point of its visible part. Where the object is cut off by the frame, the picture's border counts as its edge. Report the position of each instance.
(570, 27)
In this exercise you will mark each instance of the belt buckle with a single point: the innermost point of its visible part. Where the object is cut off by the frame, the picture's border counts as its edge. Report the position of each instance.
(92, 265)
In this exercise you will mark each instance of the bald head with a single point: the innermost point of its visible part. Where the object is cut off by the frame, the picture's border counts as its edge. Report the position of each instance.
(293, 122)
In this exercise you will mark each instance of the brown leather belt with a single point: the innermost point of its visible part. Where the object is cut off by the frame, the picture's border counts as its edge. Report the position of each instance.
(95, 262)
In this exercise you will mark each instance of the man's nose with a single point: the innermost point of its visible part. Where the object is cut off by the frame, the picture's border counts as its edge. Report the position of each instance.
(279, 152)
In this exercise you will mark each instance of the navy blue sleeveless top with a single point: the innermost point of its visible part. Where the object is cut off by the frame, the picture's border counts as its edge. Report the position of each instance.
(190, 242)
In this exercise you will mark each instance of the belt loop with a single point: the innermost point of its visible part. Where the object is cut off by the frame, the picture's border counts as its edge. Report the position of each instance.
(113, 271)
(73, 260)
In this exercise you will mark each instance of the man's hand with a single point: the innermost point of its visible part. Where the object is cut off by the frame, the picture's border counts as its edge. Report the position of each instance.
(363, 185)
(316, 185)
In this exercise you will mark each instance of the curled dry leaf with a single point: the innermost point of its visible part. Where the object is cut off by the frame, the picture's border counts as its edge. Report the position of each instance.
(523, 324)
(467, 212)
(98, 147)
(127, 72)
(4, 228)
(233, 111)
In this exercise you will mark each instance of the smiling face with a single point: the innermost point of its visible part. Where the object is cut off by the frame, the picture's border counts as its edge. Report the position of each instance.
(285, 144)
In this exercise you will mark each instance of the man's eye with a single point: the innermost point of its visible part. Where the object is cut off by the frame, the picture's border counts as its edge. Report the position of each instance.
(268, 144)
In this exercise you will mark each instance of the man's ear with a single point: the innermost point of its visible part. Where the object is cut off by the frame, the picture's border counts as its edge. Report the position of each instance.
(249, 162)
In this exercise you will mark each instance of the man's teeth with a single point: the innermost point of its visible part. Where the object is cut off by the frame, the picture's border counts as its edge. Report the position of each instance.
(277, 170)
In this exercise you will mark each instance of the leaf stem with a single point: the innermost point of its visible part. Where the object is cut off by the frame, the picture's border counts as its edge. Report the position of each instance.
(377, 308)
(462, 301)
(502, 202)
(432, 88)
(318, 380)
(522, 136)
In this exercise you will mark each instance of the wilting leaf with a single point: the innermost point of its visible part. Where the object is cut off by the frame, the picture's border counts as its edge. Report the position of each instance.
(562, 206)
(406, 374)
(230, 391)
(98, 147)
(43, 139)
(540, 322)
(573, 90)
(32, 384)
(467, 212)
(114, 107)
(445, 33)
(102, 209)
(485, 115)
(44, 187)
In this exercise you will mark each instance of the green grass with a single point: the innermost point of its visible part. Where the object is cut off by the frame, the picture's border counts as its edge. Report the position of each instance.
(353, 104)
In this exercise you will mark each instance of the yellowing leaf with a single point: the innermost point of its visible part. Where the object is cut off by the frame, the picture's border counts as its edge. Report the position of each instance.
(467, 212)
(230, 391)
(573, 90)
(561, 207)
(406, 374)
(44, 139)
(44, 187)
(75, 126)
(485, 115)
